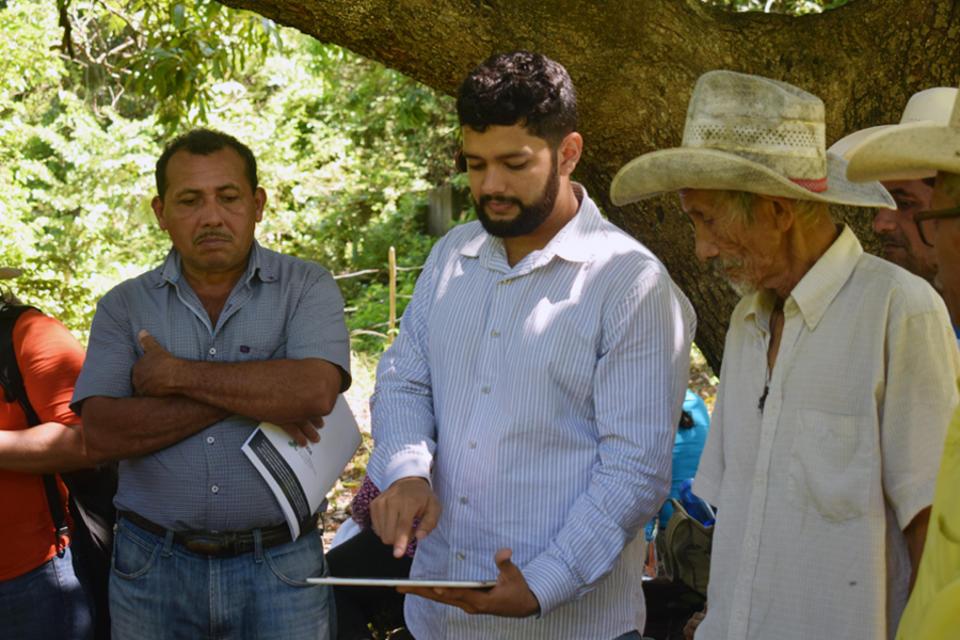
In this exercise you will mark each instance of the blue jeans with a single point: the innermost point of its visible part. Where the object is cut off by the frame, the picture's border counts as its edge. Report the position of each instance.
(47, 602)
(160, 590)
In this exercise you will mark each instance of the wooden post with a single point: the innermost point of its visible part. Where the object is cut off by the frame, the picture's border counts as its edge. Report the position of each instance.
(392, 320)
(440, 215)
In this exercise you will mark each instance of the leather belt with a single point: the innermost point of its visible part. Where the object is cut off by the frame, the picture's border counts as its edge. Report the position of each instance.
(223, 544)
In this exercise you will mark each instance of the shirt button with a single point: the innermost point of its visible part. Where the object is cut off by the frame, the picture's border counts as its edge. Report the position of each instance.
(211, 439)
(472, 444)
(463, 500)
(494, 334)
(461, 555)
(212, 351)
(484, 389)
(215, 489)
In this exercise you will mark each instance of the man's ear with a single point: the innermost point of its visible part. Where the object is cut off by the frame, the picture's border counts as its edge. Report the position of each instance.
(260, 198)
(157, 205)
(784, 212)
(568, 153)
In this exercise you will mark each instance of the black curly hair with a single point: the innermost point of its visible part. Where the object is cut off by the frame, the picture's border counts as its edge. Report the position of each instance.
(522, 88)
(203, 142)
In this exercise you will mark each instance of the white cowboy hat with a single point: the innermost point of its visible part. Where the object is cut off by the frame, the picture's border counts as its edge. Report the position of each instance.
(748, 133)
(930, 106)
(910, 148)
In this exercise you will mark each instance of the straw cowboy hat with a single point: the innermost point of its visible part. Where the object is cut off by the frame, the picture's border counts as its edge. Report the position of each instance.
(930, 106)
(748, 133)
(914, 148)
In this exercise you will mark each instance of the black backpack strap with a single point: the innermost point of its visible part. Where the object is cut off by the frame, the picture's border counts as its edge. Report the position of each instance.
(14, 391)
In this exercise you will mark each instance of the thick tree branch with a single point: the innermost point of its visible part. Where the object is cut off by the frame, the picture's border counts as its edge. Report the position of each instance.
(635, 62)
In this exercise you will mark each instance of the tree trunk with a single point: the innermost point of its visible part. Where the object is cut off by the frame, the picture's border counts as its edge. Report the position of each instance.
(634, 63)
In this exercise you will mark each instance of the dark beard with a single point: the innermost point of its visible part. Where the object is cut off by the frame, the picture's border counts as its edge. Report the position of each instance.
(530, 216)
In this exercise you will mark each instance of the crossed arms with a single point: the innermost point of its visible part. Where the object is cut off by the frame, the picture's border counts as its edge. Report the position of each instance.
(176, 398)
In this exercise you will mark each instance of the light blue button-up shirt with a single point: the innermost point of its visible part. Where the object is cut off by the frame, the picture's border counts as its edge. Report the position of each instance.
(541, 400)
(282, 307)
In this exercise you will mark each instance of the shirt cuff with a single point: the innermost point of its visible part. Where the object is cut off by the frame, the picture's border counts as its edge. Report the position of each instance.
(551, 581)
(406, 464)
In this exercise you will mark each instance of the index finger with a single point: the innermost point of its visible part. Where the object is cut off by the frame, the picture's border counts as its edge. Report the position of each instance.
(403, 537)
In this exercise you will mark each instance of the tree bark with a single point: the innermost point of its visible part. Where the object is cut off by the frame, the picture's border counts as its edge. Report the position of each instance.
(634, 63)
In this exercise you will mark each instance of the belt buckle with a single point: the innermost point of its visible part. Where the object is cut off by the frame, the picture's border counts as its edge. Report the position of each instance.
(212, 545)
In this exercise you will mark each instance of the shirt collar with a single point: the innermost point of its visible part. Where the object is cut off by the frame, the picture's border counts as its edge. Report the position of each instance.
(572, 243)
(818, 287)
(821, 284)
(262, 264)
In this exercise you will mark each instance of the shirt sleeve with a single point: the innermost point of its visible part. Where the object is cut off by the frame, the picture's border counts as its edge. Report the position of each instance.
(50, 359)
(401, 409)
(639, 385)
(706, 483)
(317, 328)
(919, 398)
(111, 354)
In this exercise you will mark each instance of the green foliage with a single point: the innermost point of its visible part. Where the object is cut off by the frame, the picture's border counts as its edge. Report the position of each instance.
(793, 7)
(347, 149)
(161, 58)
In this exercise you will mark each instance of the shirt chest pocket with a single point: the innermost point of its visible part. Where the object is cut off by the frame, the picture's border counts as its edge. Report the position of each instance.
(257, 350)
(831, 465)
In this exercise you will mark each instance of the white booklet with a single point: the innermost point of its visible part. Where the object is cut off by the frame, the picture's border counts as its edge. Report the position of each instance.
(300, 477)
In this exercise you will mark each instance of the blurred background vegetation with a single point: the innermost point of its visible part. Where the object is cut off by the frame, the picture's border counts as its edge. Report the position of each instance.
(91, 89)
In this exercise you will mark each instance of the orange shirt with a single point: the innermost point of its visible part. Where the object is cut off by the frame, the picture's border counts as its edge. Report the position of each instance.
(50, 359)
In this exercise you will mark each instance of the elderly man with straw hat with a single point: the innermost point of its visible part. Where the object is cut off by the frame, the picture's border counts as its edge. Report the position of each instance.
(912, 190)
(934, 608)
(834, 390)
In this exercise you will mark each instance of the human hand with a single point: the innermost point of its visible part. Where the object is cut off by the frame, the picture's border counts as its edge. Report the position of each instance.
(690, 628)
(304, 431)
(155, 373)
(510, 598)
(394, 511)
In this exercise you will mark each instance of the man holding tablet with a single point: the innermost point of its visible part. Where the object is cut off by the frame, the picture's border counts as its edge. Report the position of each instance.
(524, 417)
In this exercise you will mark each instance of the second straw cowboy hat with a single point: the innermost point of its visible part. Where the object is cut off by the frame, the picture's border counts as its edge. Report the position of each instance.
(748, 133)
(915, 147)
(930, 106)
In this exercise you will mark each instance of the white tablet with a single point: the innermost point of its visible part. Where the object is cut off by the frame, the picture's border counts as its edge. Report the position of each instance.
(403, 582)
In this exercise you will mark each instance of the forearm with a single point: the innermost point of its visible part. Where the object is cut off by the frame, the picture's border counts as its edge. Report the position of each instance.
(115, 428)
(278, 391)
(602, 521)
(50, 447)
(403, 428)
(916, 537)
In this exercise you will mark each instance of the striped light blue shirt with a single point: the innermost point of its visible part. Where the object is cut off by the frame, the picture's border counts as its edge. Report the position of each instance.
(282, 307)
(541, 400)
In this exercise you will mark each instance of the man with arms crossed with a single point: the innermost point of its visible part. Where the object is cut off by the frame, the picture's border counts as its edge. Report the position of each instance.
(933, 612)
(525, 415)
(183, 362)
(837, 376)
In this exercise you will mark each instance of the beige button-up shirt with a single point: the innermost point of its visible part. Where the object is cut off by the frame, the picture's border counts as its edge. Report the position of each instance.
(814, 490)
